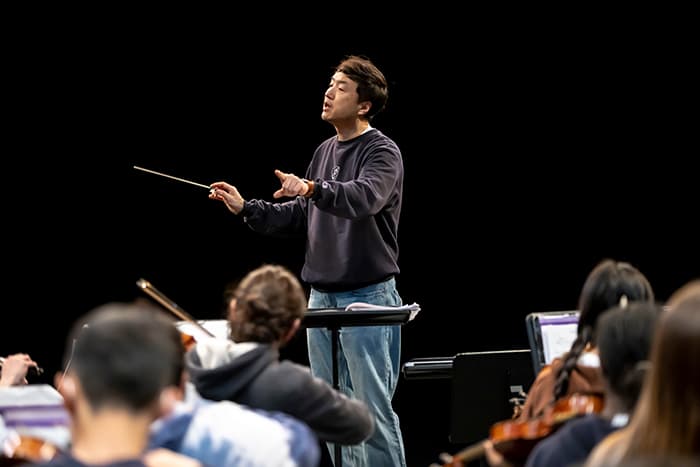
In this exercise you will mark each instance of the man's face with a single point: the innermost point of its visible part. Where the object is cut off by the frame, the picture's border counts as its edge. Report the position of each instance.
(340, 102)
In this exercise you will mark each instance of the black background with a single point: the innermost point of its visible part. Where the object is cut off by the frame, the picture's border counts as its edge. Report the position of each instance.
(530, 154)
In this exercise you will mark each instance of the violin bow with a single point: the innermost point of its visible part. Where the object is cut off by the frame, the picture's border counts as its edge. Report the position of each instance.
(171, 306)
(467, 454)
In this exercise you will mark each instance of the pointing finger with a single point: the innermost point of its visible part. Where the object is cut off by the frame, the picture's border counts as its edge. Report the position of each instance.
(281, 175)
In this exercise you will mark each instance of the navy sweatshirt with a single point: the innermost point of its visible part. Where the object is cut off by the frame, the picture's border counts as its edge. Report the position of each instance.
(351, 221)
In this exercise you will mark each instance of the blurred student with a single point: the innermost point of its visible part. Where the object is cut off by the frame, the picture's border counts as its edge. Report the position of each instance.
(610, 283)
(121, 358)
(665, 425)
(623, 339)
(224, 433)
(265, 311)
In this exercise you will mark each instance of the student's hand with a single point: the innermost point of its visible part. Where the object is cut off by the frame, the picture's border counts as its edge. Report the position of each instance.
(493, 457)
(229, 194)
(167, 458)
(291, 185)
(14, 370)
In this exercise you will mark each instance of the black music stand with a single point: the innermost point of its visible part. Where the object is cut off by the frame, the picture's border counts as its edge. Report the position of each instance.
(336, 318)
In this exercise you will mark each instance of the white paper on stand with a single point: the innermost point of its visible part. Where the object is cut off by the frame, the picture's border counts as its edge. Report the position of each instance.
(414, 308)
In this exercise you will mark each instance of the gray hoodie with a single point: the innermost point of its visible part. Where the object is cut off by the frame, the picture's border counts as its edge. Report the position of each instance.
(252, 374)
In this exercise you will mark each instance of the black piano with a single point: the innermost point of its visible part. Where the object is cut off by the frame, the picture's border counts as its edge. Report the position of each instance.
(482, 389)
(428, 368)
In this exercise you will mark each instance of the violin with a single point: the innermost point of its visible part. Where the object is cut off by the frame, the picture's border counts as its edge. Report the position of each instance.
(187, 339)
(515, 439)
(20, 449)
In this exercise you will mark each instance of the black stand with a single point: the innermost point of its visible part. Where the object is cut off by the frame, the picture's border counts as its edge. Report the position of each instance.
(334, 319)
(428, 368)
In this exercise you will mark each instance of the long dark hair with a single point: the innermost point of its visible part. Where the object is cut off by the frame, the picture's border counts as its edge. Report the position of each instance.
(623, 338)
(667, 420)
(124, 354)
(610, 283)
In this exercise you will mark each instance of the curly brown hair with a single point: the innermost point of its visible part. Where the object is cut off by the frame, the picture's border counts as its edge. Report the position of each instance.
(268, 300)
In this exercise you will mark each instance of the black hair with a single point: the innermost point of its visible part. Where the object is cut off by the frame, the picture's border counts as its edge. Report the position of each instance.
(124, 354)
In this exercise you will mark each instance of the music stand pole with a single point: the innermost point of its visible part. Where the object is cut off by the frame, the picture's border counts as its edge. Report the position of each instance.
(337, 449)
(333, 319)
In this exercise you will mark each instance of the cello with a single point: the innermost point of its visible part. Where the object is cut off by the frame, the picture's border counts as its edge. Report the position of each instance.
(515, 439)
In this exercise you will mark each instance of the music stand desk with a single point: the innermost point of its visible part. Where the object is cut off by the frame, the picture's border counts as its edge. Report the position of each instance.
(335, 318)
(338, 317)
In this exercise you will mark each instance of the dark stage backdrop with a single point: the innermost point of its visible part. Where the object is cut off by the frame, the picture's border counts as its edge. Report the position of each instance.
(527, 161)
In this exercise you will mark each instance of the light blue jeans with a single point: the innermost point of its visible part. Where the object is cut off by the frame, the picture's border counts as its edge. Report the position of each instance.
(368, 369)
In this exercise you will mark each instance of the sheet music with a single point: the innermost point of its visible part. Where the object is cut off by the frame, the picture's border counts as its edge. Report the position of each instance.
(557, 340)
(414, 308)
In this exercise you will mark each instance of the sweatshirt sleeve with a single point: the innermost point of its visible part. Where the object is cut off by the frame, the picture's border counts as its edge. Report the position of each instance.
(279, 219)
(332, 415)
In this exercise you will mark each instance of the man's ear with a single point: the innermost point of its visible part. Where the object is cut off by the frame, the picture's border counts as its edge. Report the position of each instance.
(364, 108)
(292, 330)
(66, 386)
(231, 309)
(184, 378)
(169, 397)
